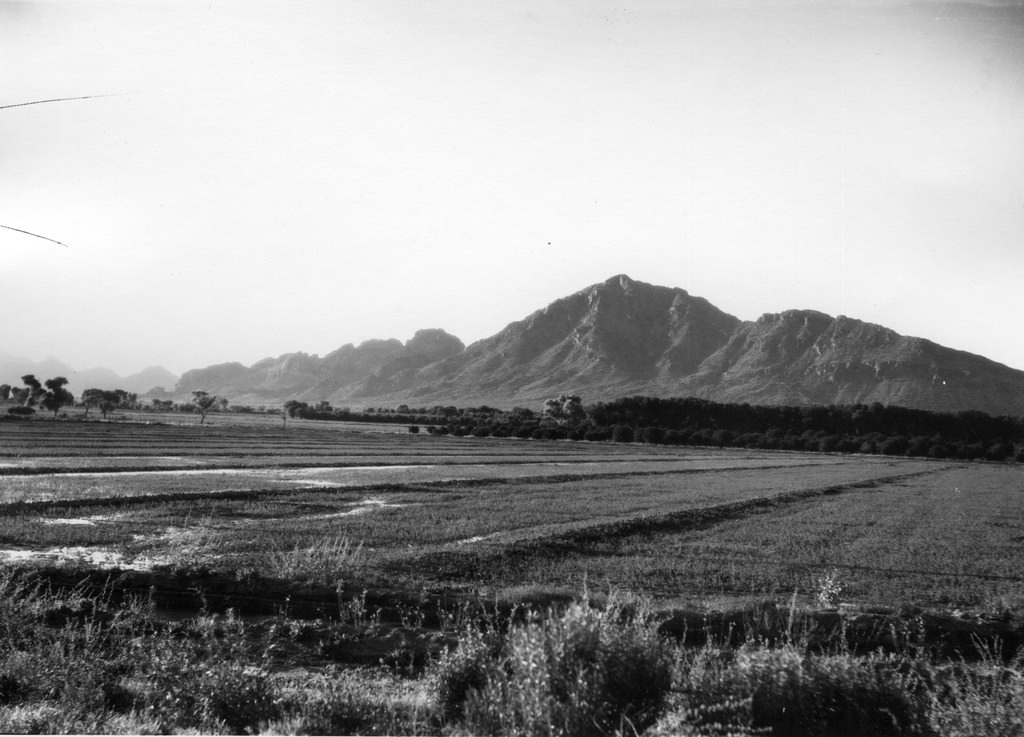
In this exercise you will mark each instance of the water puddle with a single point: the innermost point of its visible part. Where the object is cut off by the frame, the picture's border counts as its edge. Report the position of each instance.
(476, 539)
(97, 557)
(370, 504)
(273, 472)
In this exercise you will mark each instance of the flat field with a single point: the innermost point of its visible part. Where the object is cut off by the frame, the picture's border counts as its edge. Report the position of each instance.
(320, 502)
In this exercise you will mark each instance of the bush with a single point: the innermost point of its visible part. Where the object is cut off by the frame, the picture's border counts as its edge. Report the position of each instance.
(21, 411)
(205, 682)
(463, 670)
(788, 692)
(584, 672)
(651, 435)
(622, 434)
(984, 701)
(326, 560)
(350, 701)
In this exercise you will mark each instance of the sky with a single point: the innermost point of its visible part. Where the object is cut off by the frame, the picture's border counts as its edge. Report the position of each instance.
(249, 178)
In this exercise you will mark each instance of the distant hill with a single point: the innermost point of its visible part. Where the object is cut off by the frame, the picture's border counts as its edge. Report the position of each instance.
(12, 368)
(622, 337)
(341, 373)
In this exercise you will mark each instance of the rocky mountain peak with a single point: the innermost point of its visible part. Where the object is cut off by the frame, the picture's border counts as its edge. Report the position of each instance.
(434, 344)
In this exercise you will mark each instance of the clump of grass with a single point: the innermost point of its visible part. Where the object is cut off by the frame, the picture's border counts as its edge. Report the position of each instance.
(208, 681)
(464, 669)
(984, 700)
(326, 560)
(789, 692)
(358, 701)
(582, 672)
(75, 662)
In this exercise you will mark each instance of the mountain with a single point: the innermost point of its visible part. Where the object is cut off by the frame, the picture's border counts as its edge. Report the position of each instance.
(611, 339)
(623, 337)
(339, 374)
(804, 357)
(149, 378)
(12, 368)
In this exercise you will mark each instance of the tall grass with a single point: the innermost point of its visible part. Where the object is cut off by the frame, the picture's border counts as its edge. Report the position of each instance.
(72, 661)
(327, 560)
(582, 672)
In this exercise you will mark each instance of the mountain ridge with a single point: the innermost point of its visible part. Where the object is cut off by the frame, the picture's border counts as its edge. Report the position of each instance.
(612, 339)
(624, 337)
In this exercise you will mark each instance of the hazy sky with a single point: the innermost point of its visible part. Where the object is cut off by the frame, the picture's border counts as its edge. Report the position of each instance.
(265, 177)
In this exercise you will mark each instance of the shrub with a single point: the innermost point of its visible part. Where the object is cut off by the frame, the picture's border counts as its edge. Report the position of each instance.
(791, 693)
(651, 434)
(622, 434)
(981, 701)
(205, 682)
(584, 672)
(326, 561)
(463, 670)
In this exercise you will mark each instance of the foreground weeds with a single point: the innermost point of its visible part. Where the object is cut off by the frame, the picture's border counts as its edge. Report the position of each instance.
(76, 662)
(600, 671)
(583, 671)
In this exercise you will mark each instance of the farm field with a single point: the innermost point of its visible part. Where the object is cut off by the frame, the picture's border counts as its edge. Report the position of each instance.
(324, 579)
(690, 526)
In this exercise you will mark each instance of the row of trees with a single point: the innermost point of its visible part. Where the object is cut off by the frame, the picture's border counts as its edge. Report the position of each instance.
(52, 395)
(860, 428)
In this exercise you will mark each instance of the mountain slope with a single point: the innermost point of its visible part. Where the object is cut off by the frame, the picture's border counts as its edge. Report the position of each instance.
(612, 338)
(340, 373)
(804, 357)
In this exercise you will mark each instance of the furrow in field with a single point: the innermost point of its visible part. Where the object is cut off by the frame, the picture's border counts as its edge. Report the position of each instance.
(703, 516)
(171, 484)
(468, 556)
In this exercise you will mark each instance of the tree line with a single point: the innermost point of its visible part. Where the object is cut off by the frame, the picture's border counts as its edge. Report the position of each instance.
(858, 428)
(52, 395)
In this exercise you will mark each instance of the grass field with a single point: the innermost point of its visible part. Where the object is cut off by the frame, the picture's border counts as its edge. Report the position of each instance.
(329, 508)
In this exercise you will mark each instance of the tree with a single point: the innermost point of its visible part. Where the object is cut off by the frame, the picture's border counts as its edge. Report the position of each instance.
(567, 409)
(126, 400)
(292, 408)
(35, 389)
(109, 400)
(91, 398)
(106, 400)
(203, 402)
(56, 396)
(5, 391)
